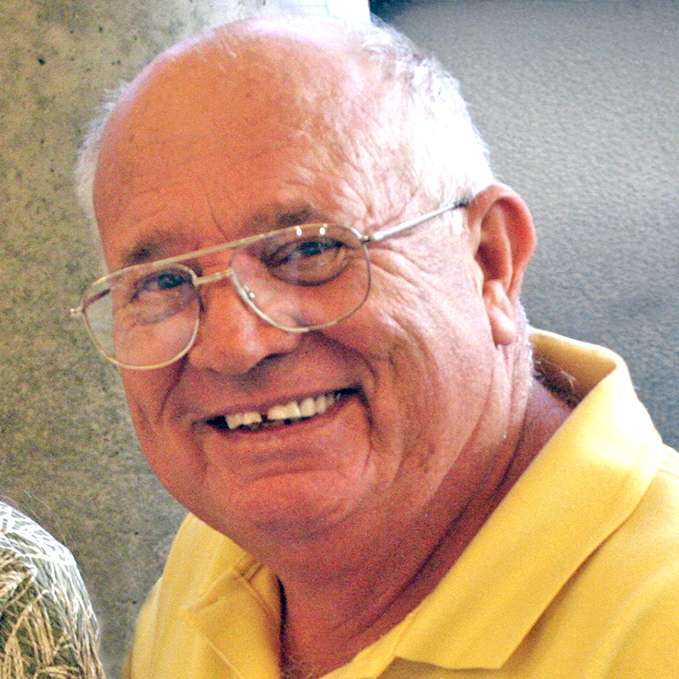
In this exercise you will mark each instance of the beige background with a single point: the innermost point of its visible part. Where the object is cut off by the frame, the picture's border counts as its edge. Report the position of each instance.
(579, 102)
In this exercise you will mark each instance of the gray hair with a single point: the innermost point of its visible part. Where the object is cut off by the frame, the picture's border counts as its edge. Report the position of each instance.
(449, 158)
(88, 154)
(441, 156)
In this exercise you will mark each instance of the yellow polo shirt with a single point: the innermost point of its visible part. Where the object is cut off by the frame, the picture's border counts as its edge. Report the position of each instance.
(574, 576)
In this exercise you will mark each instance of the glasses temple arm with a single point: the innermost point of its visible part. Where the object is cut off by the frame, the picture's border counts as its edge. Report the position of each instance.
(80, 309)
(398, 228)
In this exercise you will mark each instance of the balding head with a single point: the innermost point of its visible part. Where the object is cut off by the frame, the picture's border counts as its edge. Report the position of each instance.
(365, 92)
(248, 89)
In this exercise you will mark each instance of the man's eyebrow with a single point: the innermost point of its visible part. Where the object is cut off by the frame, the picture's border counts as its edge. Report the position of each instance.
(154, 246)
(304, 215)
(162, 244)
(281, 218)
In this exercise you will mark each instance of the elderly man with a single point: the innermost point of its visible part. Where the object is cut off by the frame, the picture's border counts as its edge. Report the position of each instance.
(314, 301)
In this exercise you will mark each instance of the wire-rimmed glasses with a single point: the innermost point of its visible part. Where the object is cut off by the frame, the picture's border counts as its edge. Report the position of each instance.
(298, 279)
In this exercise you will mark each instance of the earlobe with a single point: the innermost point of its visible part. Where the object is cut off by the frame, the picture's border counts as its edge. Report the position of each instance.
(505, 238)
(501, 313)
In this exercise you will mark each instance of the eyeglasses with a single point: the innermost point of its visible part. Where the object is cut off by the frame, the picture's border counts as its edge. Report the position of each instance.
(298, 279)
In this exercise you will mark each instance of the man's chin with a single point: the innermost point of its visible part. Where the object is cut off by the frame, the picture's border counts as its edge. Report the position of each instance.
(294, 506)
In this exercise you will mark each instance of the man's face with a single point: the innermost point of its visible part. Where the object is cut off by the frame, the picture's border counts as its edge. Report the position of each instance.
(406, 380)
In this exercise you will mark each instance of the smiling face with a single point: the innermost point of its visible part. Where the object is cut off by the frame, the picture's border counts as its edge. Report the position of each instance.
(371, 422)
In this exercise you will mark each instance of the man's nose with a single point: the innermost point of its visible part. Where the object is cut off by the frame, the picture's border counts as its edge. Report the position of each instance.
(232, 339)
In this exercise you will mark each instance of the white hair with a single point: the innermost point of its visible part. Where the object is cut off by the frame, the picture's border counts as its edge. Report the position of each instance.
(449, 158)
(88, 154)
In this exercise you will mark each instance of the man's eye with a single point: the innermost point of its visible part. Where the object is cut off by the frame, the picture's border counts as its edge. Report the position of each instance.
(303, 249)
(152, 298)
(311, 261)
(159, 282)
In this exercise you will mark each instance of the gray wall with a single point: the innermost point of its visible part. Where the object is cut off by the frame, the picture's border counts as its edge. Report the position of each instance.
(579, 102)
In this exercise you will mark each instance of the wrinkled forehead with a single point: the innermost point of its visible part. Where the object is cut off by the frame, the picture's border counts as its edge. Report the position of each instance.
(257, 89)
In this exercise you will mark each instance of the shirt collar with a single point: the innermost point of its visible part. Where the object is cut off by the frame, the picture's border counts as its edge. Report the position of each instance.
(239, 614)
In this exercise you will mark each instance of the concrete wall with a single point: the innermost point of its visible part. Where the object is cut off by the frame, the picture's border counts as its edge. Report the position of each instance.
(579, 102)
(67, 453)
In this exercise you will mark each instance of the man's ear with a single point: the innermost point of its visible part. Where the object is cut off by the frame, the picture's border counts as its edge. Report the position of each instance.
(502, 230)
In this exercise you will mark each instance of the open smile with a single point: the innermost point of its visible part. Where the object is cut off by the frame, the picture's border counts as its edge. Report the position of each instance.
(279, 414)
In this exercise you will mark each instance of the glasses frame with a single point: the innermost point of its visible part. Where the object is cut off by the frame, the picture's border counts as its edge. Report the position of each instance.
(364, 239)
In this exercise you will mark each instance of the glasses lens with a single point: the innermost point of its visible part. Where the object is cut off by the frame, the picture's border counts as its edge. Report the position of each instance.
(304, 277)
(144, 316)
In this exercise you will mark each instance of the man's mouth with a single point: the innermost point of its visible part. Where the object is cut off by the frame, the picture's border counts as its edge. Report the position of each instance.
(279, 414)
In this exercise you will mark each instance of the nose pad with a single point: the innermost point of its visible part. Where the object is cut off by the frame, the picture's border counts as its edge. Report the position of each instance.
(232, 339)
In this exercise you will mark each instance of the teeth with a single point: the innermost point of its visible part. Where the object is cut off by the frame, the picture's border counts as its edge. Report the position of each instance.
(294, 410)
(240, 419)
(251, 418)
(233, 421)
(321, 404)
(289, 411)
(324, 401)
(307, 407)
